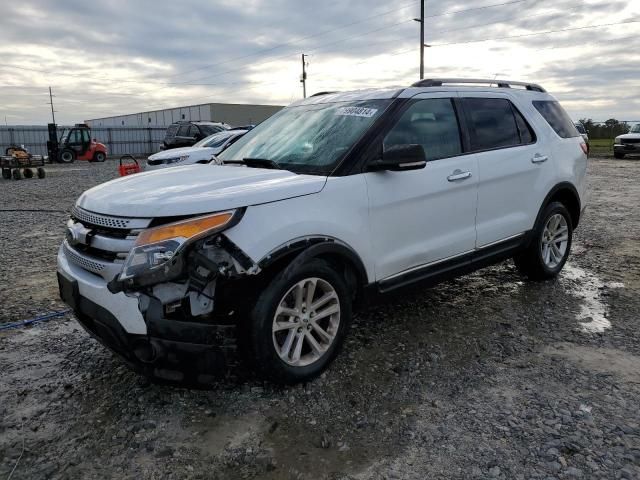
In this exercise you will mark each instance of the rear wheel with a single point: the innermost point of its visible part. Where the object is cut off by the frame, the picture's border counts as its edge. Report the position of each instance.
(618, 155)
(99, 157)
(6, 173)
(550, 245)
(28, 173)
(299, 321)
(16, 174)
(41, 172)
(67, 156)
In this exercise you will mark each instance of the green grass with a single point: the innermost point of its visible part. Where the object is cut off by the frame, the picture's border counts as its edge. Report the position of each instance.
(601, 146)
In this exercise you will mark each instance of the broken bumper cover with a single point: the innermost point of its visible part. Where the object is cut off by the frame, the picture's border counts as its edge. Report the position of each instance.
(165, 349)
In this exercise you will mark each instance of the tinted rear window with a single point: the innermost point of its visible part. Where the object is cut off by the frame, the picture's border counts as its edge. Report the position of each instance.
(555, 116)
(209, 129)
(492, 123)
(171, 131)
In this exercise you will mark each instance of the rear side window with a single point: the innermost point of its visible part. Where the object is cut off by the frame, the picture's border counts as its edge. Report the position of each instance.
(555, 116)
(431, 123)
(495, 123)
(210, 129)
(171, 131)
(183, 131)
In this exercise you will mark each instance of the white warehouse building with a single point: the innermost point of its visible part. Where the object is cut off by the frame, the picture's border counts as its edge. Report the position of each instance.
(235, 114)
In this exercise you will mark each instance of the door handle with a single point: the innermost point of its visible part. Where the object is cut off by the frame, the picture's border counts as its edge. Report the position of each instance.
(537, 158)
(458, 175)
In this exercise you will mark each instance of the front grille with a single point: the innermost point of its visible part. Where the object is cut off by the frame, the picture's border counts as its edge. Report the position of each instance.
(103, 249)
(97, 219)
(83, 261)
(631, 140)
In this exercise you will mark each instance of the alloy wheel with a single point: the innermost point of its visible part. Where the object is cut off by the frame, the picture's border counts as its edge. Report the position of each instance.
(306, 322)
(555, 238)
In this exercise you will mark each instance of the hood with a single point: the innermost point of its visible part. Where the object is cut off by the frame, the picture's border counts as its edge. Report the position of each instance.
(196, 189)
(629, 135)
(203, 152)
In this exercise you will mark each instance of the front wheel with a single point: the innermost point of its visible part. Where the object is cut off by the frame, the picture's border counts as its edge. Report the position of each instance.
(299, 322)
(6, 173)
(618, 155)
(550, 245)
(67, 156)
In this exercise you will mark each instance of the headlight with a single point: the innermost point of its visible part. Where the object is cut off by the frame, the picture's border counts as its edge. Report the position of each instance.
(156, 247)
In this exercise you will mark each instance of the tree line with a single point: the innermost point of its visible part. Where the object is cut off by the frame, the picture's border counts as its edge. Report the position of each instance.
(609, 129)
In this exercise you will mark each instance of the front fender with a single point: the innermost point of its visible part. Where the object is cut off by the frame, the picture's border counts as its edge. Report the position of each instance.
(338, 213)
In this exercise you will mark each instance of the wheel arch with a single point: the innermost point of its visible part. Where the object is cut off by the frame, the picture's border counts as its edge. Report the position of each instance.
(566, 194)
(339, 255)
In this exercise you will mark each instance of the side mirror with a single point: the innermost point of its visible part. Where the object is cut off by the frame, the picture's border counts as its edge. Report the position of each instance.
(398, 158)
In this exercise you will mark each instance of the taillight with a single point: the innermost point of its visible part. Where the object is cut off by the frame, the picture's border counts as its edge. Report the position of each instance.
(585, 148)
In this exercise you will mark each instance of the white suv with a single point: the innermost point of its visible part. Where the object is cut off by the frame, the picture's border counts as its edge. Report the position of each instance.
(334, 198)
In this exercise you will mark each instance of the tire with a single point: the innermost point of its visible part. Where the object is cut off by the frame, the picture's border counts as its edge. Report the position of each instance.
(16, 174)
(99, 157)
(543, 260)
(6, 173)
(67, 156)
(41, 172)
(618, 155)
(281, 291)
(28, 173)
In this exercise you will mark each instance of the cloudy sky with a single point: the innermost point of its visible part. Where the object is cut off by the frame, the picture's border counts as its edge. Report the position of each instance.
(123, 56)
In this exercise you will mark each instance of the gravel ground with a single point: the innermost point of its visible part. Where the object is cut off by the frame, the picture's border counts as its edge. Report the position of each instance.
(487, 376)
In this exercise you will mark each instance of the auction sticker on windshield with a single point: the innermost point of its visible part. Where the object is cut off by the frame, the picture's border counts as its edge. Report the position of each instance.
(357, 111)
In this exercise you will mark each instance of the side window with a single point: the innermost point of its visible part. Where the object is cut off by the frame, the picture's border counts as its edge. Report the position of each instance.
(193, 131)
(556, 116)
(183, 131)
(85, 136)
(526, 132)
(431, 123)
(75, 136)
(492, 123)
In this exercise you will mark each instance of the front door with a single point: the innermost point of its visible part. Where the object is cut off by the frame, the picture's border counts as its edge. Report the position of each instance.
(423, 217)
(79, 141)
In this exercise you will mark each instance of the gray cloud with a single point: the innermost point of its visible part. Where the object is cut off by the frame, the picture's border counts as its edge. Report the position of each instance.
(115, 56)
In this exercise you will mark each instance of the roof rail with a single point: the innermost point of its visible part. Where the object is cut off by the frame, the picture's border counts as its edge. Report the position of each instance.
(439, 82)
(322, 93)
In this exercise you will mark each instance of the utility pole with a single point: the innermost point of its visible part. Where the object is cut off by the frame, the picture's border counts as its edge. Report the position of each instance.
(53, 115)
(422, 44)
(303, 78)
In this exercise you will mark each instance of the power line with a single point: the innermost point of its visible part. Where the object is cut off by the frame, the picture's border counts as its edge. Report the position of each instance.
(537, 33)
(472, 27)
(452, 12)
(296, 41)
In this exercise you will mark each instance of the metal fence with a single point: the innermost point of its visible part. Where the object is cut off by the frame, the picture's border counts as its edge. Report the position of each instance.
(137, 141)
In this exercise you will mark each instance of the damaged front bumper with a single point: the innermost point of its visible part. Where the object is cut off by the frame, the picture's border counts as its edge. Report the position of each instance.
(169, 349)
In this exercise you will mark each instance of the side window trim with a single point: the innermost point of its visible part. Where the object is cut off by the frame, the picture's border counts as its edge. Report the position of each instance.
(534, 136)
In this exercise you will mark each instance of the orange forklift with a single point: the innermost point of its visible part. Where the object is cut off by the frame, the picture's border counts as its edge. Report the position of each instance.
(75, 143)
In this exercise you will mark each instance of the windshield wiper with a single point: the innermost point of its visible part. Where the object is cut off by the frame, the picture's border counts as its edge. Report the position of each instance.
(261, 163)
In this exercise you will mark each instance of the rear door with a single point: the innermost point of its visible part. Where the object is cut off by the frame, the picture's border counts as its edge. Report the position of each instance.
(182, 137)
(422, 217)
(514, 166)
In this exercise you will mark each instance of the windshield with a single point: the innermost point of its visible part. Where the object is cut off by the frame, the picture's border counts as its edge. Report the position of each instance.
(215, 140)
(308, 138)
(635, 128)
